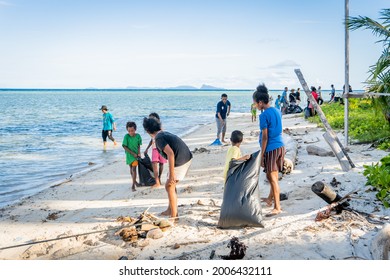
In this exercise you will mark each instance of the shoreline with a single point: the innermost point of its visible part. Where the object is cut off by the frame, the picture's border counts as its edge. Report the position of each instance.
(94, 200)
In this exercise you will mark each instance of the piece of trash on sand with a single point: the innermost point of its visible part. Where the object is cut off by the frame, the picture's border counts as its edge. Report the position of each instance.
(237, 250)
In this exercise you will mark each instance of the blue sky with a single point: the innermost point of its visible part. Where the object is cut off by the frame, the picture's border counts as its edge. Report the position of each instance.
(230, 44)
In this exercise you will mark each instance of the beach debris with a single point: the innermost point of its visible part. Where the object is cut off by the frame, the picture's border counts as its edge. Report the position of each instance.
(312, 141)
(322, 215)
(213, 203)
(126, 219)
(142, 227)
(329, 195)
(129, 234)
(254, 133)
(237, 250)
(178, 245)
(283, 196)
(200, 202)
(334, 183)
(155, 233)
(288, 166)
(290, 157)
(212, 255)
(318, 151)
(200, 150)
(53, 216)
(187, 189)
(143, 243)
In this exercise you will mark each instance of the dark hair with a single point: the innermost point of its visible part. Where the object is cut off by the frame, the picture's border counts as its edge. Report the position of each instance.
(261, 94)
(131, 124)
(313, 89)
(154, 115)
(223, 95)
(151, 125)
(236, 137)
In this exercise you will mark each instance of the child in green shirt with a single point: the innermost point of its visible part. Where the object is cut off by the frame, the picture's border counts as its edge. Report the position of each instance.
(234, 151)
(132, 144)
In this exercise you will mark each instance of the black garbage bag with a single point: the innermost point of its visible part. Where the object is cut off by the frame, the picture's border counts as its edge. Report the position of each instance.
(145, 171)
(293, 109)
(241, 205)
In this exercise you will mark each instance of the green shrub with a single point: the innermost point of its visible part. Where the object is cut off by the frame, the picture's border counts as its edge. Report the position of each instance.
(365, 124)
(378, 176)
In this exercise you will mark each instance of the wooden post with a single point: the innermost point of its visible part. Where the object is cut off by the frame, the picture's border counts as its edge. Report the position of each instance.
(331, 137)
(346, 85)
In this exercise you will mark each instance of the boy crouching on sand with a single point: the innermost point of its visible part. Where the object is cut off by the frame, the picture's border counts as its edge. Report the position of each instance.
(132, 144)
(234, 151)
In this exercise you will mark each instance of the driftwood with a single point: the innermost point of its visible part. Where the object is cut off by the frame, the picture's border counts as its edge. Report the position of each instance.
(380, 245)
(315, 150)
(178, 245)
(291, 154)
(331, 137)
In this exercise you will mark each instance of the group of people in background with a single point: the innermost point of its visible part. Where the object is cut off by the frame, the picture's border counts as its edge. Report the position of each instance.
(288, 101)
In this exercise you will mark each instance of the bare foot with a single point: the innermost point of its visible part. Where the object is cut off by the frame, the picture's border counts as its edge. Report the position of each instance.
(133, 188)
(267, 201)
(175, 220)
(155, 186)
(273, 213)
(166, 213)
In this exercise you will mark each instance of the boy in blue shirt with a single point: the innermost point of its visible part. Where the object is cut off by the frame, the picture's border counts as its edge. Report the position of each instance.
(272, 146)
(223, 110)
(108, 126)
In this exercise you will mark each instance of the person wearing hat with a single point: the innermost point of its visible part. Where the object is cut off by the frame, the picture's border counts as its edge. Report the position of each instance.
(108, 125)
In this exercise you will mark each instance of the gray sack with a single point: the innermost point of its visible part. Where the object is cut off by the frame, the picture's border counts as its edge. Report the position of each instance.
(241, 205)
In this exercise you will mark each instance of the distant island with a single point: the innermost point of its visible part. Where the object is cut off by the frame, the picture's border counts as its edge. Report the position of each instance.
(182, 87)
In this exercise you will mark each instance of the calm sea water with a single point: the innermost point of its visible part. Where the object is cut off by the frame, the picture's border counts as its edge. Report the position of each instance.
(48, 135)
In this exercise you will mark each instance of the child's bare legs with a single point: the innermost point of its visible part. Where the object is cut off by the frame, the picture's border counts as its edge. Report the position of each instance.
(133, 172)
(161, 168)
(156, 175)
(274, 194)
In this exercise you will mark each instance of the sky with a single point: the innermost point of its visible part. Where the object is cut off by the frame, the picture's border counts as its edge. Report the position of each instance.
(155, 43)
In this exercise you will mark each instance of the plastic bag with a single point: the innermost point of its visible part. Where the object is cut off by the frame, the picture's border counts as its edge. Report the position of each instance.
(241, 205)
(145, 172)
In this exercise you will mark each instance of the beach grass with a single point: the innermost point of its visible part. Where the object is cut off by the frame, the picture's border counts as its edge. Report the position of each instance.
(366, 123)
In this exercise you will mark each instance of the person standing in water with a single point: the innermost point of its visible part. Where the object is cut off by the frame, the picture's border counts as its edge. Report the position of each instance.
(108, 126)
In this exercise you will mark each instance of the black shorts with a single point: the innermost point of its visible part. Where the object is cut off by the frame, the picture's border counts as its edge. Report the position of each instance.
(105, 134)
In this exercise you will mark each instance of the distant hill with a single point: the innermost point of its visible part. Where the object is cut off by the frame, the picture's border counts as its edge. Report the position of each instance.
(210, 87)
(181, 87)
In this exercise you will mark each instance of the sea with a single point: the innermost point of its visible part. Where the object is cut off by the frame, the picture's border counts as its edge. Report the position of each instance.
(48, 136)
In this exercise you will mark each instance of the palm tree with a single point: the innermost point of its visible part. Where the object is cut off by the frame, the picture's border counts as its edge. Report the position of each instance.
(379, 78)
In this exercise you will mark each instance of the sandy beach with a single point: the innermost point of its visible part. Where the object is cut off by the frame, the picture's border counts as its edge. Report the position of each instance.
(92, 202)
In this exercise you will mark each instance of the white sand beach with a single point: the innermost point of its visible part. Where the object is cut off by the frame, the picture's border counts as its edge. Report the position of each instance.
(93, 202)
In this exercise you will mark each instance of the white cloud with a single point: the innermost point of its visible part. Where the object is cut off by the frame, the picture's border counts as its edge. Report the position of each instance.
(284, 64)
